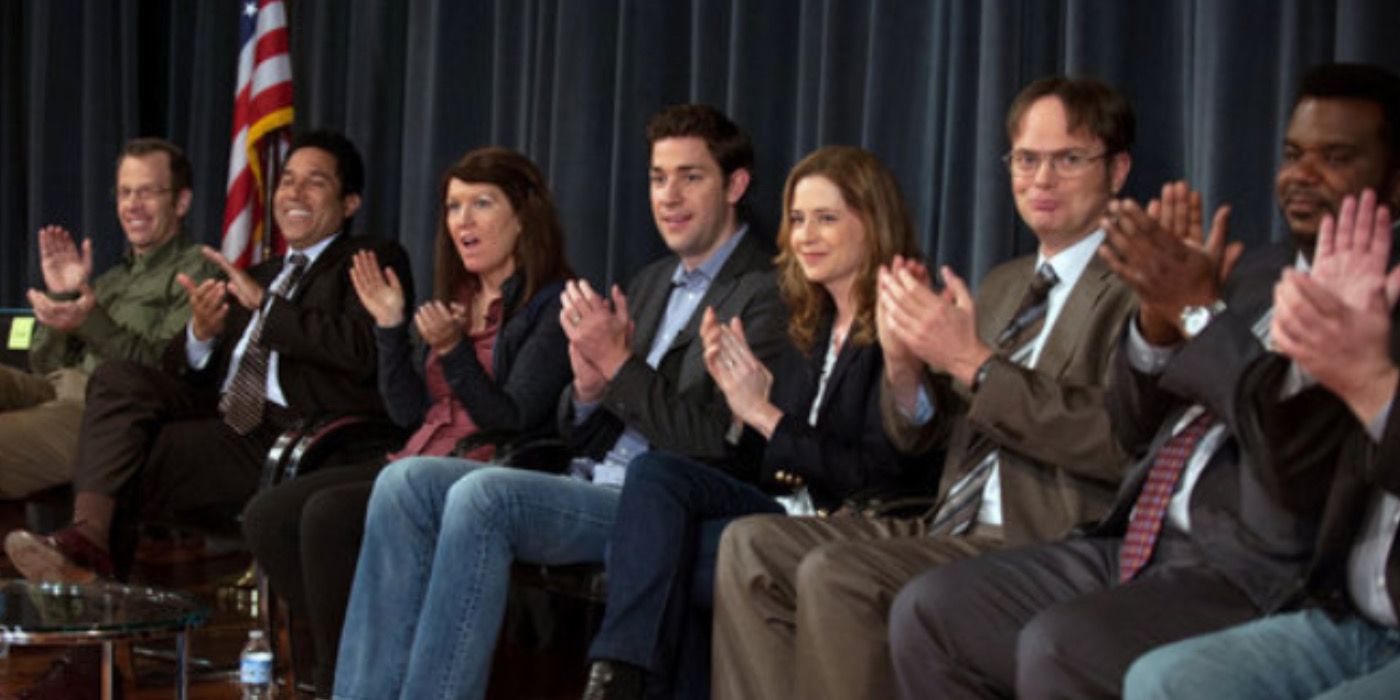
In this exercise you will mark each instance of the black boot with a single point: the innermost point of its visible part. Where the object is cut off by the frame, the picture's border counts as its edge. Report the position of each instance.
(614, 680)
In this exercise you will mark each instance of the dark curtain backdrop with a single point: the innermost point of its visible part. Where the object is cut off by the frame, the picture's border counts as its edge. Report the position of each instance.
(571, 83)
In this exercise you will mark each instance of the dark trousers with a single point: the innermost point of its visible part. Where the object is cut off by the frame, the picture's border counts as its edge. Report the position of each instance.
(661, 563)
(305, 534)
(164, 453)
(1051, 621)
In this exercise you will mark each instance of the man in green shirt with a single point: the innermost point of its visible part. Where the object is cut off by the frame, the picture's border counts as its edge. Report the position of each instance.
(129, 312)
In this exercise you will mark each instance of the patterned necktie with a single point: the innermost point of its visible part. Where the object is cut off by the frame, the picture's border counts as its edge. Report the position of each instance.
(242, 404)
(960, 507)
(1029, 318)
(1145, 523)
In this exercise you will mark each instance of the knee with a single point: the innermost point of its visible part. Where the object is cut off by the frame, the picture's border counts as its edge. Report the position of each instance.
(481, 494)
(739, 544)
(331, 519)
(268, 521)
(819, 574)
(399, 483)
(655, 471)
(1154, 675)
(120, 379)
(914, 616)
(1046, 641)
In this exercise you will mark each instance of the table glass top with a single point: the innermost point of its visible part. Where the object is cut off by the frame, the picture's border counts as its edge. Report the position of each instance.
(98, 609)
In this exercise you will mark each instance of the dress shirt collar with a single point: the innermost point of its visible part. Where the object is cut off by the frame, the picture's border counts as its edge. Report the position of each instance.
(707, 270)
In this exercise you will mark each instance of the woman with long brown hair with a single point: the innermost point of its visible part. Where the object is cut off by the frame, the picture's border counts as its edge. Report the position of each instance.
(818, 410)
(495, 358)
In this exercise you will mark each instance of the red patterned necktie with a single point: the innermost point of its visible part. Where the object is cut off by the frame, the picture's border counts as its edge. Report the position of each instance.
(242, 404)
(1145, 523)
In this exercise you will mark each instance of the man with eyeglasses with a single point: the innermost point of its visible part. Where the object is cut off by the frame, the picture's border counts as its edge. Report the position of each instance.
(1009, 386)
(1200, 537)
(129, 312)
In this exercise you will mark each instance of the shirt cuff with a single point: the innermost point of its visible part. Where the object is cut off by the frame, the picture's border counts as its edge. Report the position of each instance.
(197, 351)
(1145, 357)
(583, 409)
(1296, 381)
(1376, 428)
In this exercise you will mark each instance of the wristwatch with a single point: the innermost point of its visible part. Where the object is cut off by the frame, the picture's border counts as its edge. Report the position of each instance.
(981, 374)
(1194, 319)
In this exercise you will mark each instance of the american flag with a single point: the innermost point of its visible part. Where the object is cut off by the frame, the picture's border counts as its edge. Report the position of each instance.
(262, 115)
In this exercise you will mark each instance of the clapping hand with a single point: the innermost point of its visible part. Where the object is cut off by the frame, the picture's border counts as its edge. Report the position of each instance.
(379, 289)
(64, 316)
(208, 305)
(1335, 321)
(441, 325)
(66, 267)
(240, 284)
(598, 331)
(1162, 254)
(738, 373)
(940, 328)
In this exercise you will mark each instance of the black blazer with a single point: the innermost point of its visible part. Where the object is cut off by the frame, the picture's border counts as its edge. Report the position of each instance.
(847, 454)
(676, 406)
(1323, 466)
(522, 402)
(1241, 530)
(323, 336)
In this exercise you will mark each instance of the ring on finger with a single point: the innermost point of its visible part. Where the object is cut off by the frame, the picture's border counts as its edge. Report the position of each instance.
(576, 318)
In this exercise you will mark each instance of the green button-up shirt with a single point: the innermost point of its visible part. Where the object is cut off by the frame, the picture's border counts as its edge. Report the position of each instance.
(140, 307)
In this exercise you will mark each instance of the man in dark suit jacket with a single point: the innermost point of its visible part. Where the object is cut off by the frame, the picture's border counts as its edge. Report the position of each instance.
(639, 383)
(1195, 541)
(1336, 324)
(270, 348)
(801, 603)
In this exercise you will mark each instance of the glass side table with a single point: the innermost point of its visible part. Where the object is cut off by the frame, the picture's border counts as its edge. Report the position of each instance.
(98, 613)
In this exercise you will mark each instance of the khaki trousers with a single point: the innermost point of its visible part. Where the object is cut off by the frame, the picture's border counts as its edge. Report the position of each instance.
(801, 604)
(39, 420)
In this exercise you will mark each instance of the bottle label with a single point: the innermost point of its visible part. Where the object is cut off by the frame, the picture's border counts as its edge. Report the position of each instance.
(255, 668)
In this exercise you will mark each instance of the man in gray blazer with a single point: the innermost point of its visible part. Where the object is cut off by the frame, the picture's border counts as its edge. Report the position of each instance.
(1195, 541)
(1011, 385)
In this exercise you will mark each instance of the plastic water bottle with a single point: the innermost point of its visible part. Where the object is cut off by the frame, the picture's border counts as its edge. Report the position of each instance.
(255, 667)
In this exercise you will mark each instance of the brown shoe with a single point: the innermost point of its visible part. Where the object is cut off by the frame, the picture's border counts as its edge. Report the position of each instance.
(66, 556)
(77, 675)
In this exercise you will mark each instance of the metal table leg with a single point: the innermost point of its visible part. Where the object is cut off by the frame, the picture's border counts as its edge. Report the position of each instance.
(181, 663)
(108, 670)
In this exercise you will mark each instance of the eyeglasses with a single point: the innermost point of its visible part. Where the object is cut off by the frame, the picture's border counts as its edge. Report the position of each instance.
(1026, 163)
(142, 194)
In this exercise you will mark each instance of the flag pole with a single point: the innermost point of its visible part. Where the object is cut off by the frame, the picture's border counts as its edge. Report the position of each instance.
(272, 172)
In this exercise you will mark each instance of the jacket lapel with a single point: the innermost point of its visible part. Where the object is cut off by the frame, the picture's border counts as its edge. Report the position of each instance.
(996, 309)
(651, 304)
(725, 283)
(1075, 318)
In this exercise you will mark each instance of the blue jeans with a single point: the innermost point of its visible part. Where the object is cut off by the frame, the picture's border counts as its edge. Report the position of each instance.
(661, 568)
(1306, 654)
(430, 586)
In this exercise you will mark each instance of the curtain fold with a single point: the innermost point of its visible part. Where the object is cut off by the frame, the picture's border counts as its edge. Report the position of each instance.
(924, 85)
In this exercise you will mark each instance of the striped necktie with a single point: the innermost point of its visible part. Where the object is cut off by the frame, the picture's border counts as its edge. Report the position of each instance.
(242, 405)
(1015, 342)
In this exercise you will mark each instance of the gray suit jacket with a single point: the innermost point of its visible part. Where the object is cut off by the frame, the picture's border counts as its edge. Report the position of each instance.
(1059, 463)
(676, 406)
(1239, 527)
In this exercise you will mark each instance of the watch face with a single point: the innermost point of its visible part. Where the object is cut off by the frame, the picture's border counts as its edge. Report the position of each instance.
(1194, 319)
